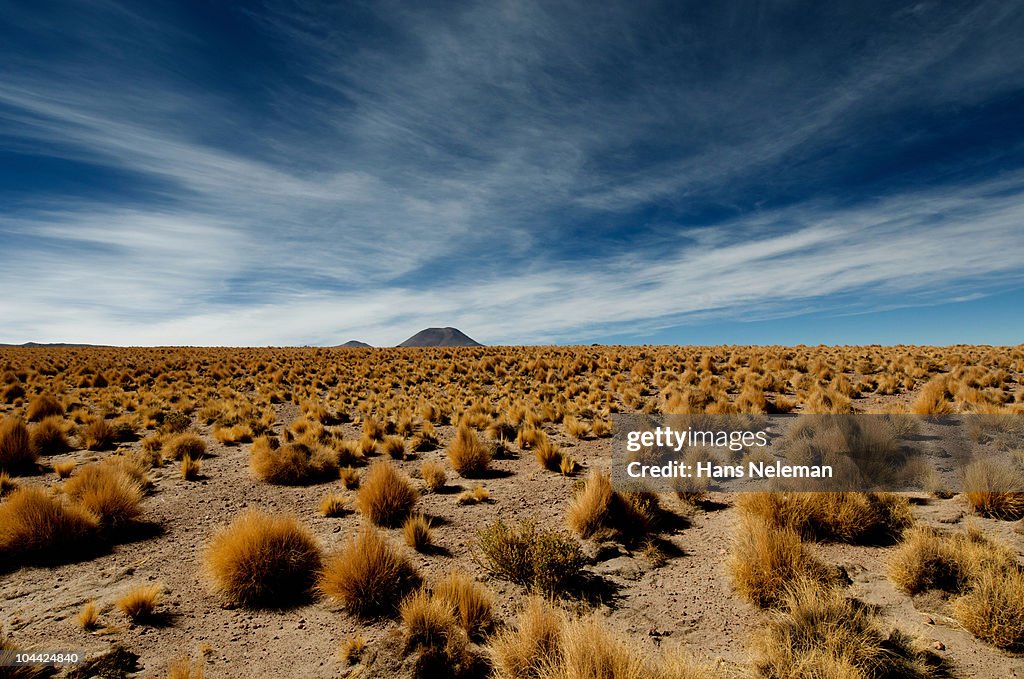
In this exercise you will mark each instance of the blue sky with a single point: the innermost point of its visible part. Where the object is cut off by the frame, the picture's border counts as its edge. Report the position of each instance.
(304, 173)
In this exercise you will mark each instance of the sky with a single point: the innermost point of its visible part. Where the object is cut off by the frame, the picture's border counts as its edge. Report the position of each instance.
(292, 173)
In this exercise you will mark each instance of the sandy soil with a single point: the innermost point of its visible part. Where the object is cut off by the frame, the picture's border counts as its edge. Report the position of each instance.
(688, 600)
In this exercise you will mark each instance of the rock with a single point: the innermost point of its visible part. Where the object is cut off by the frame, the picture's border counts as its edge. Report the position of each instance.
(939, 646)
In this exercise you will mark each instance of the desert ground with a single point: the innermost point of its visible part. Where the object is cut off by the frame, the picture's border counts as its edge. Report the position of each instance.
(147, 496)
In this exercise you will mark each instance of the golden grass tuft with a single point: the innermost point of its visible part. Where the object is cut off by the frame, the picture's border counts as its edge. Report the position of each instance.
(820, 633)
(262, 560)
(333, 505)
(417, 533)
(7, 484)
(33, 524)
(433, 474)
(352, 649)
(108, 491)
(394, 446)
(16, 450)
(386, 496)
(467, 455)
(98, 434)
(548, 454)
(474, 496)
(64, 468)
(995, 488)
(532, 645)
(178, 446)
(89, 617)
(766, 560)
(190, 467)
(597, 510)
(432, 632)
(470, 601)
(927, 559)
(349, 477)
(547, 643)
(993, 609)
(859, 518)
(140, 602)
(368, 575)
(43, 406)
(183, 668)
(48, 436)
(291, 464)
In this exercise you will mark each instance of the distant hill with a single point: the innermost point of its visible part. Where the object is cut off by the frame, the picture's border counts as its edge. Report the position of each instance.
(440, 337)
(356, 344)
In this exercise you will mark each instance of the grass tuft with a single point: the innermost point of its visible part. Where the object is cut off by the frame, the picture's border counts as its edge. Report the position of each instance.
(368, 575)
(386, 496)
(262, 560)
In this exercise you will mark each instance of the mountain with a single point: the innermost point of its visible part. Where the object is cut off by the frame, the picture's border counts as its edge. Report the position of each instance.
(356, 344)
(440, 337)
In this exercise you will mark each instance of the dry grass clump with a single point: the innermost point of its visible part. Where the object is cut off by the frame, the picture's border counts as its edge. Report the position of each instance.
(333, 505)
(433, 474)
(470, 601)
(140, 602)
(260, 559)
(541, 559)
(352, 649)
(16, 450)
(995, 488)
(180, 445)
(575, 428)
(432, 632)
(599, 511)
(7, 484)
(857, 518)
(48, 436)
(526, 650)
(927, 559)
(368, 575)
(986, 573)
(36, 526)
(349, 477)
(417, 533)
(467, 454)
(190, 468)
(766, 560)
(64, 468)
(183, 668)
(820, 633)
(291, 464)
(546, 643)
(89, 617)
(43, 406)
(548, 454)
(474, 496)
(108, 491)
(993, 609)
(386, 496)
(98, 434)
(394, 446)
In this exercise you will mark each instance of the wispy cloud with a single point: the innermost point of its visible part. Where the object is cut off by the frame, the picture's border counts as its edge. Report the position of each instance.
(497, 166)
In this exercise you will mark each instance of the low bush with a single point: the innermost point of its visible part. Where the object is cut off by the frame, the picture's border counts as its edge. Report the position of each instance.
(544, 560)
